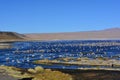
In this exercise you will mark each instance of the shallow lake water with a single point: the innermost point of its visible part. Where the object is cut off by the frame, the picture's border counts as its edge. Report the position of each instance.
(22, 54)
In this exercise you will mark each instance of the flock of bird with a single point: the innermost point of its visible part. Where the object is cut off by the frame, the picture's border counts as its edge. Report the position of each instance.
(26, 52)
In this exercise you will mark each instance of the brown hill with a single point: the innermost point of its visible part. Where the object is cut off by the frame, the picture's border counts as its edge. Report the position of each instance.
(113, 33)
(11, 36)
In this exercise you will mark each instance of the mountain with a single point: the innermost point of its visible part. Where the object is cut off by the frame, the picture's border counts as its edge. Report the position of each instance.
(113, 33)
(11, 36)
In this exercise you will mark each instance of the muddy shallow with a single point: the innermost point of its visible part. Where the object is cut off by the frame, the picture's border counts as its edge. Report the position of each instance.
(93, 74)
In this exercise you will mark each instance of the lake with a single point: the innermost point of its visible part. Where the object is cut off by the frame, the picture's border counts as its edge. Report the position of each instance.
(22, 54)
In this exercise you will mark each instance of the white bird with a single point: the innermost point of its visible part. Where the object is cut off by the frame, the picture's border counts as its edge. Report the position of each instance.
(7, 58)
(18, 61)
(13, 61)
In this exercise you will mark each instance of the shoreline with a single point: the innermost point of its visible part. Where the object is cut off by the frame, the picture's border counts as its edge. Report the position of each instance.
(96, 64)
(75, 74)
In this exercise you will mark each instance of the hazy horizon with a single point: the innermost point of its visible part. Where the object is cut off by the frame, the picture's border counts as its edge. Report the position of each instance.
(63, 32)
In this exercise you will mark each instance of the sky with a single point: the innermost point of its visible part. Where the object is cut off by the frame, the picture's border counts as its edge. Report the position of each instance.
(51, 16)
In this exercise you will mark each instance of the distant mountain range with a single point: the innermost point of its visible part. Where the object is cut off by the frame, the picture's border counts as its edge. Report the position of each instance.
(112, 33)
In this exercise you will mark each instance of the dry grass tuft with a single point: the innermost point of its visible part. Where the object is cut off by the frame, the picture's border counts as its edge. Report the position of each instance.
(38, 73)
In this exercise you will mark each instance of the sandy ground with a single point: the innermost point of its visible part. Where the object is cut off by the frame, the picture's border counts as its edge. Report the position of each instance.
(5, 76)
(85, 35)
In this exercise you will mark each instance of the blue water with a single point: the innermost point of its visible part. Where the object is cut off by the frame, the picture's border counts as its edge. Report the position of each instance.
(22, 54)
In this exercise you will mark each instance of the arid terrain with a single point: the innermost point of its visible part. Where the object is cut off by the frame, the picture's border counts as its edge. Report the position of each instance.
(11, 36)
(7, 73)
(112, 33)
(12, 73)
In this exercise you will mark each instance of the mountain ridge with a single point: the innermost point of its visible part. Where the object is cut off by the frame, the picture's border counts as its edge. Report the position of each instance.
(11, 36)
(112, 33)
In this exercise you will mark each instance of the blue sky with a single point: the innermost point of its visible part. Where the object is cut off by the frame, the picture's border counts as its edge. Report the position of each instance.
(49, 16)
